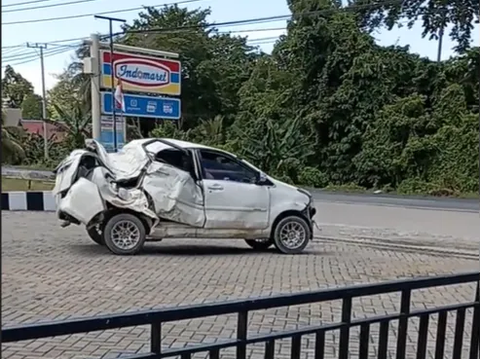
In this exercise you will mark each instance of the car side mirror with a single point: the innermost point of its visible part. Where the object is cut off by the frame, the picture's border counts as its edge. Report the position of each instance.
(262, 179)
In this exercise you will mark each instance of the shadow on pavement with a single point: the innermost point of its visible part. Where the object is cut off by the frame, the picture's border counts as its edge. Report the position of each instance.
(187, 250)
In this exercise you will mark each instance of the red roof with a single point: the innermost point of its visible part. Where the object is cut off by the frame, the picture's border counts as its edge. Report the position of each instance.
(36, 126)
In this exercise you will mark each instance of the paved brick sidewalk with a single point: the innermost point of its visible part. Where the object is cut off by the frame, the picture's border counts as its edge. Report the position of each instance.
(49, 273)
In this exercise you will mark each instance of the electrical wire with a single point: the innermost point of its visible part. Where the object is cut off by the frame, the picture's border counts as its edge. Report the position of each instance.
(230, 23)
(47, 6)
(25, 3)
(32, 55)
(253, 30)
(92, 14)
(53, 42)
(261, 39)
(26, 52)
(261, 19)
(35, 57)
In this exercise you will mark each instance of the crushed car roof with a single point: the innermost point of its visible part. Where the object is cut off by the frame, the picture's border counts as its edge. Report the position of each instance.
(159, 146)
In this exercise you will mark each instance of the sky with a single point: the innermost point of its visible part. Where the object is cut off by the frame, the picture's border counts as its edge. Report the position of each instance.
(58, 56)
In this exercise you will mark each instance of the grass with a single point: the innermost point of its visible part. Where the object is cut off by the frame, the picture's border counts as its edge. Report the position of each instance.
(17, 184)
(38, 167)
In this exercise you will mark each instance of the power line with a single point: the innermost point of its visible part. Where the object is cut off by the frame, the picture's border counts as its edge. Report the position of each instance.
(261, 39)
(46, 6)
(25, 3)
(53, 53)
(34, 56)
(261, 19)
(253, 30)
(86, 37)
(92, 14)
(31, 54)
(279, 17)
(52, 42)
(229, 23)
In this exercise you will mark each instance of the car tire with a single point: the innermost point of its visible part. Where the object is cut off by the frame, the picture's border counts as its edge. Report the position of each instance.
(259, 244)
(96, 234)
(124, 234)
(291, 235)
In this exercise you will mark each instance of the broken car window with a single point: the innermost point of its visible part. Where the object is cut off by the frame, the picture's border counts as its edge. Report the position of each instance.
(176, 158)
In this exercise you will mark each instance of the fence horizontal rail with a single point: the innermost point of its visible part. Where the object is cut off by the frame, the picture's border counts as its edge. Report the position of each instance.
(105, 322)
(155, 318)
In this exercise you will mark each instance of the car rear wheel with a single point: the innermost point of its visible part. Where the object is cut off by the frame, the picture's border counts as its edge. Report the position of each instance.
(259, 244)
(124, 234)
(96, 234)
(291, 235)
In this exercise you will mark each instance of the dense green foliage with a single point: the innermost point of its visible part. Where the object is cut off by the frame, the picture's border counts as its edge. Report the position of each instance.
(329, 105)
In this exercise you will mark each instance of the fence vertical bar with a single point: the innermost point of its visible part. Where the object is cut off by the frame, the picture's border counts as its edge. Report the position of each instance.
(345, 330)
(383, 340)
(270, 349)
(364, 341)
(458, 335)
(214, 354)
(475, 337)
(441, 330)
(320, 345)
(296, 346)
(422, 337)
(403, 323)
(156, 338)
(242, 327)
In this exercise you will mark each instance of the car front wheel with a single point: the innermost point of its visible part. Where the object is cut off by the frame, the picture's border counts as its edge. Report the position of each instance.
(124, 234)
(291, 235)
(259, 244)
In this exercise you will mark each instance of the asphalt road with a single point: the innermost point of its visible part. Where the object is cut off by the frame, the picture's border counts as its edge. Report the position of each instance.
(449, 204)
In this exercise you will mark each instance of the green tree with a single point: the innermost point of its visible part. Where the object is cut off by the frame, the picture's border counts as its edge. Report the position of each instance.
(214, 65)
(14, 88)
(328, 106)
(72, 89)
(436, 16)
(12, 150)
(77, 124)
(32, 107)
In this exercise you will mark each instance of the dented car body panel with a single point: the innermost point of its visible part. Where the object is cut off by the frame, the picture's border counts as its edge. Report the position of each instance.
(183, 190)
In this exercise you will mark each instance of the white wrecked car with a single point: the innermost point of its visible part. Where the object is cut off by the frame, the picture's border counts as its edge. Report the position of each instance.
(163, 188)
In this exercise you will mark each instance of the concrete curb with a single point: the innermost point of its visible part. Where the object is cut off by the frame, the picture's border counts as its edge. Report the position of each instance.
(28, 201)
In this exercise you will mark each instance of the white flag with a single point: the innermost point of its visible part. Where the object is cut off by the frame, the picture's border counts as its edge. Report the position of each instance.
(119, 99)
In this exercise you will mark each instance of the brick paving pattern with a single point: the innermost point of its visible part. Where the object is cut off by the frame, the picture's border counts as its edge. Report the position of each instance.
(50, 273)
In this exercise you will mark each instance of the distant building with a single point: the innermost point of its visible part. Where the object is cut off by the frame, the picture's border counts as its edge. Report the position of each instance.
(13, 117)
(54, 133)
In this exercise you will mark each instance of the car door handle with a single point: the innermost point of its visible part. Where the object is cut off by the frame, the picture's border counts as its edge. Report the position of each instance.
(215, 187)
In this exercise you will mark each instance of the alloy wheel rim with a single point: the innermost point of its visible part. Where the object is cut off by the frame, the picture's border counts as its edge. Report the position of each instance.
(292, 235)
(125, 235)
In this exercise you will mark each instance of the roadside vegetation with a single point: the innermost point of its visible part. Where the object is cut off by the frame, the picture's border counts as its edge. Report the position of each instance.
(328, 108)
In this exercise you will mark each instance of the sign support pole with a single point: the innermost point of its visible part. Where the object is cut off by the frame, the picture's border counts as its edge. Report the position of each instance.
(95, 86)
(112, 74)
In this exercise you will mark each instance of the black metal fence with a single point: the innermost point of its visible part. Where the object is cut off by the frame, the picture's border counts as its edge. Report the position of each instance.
(242, 308)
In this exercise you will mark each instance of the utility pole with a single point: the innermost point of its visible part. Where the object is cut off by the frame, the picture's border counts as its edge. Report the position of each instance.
(440, 35)
(95, 86)
(112, 72)
(41, 47)
(440, 43)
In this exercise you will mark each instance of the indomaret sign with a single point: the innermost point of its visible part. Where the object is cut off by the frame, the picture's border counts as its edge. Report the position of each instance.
(141, 73)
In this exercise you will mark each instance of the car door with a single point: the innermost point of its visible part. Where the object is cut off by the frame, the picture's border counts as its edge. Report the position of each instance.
(232, 198)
